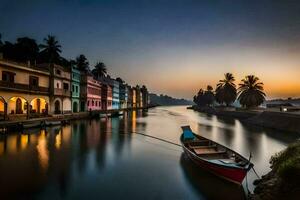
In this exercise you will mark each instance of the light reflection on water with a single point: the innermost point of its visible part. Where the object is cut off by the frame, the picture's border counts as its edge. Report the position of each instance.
(104, 158)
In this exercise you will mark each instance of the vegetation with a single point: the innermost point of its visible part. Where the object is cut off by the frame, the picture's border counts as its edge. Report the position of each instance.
(251, 92)
(100, 70)
(165, 100)
(205, 98)
(82, 63)
(226, 90)
(51, 49)
(287, 164)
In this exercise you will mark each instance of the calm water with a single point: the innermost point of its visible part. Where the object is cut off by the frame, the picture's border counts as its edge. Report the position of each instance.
(106, 159)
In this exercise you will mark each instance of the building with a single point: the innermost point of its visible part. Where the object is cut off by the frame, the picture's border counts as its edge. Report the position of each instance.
(90, 93)
(122, 95)
(139, 99)
(134, 100)
(24, 90)
(106, 92)
(129, 94)
(60, 89)
(145, 97)
(76, 79)
(115, 95)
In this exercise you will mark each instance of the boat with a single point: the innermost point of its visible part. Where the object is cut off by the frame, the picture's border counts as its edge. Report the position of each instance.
(32, 125)
(53, 123)
(214, 157)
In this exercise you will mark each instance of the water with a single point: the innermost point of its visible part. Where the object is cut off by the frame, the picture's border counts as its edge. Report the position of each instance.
(105, 158)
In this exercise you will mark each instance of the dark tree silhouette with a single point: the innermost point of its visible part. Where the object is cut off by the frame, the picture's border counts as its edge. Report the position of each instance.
(100, 70)
(120, 80)
(251, 92)
(205, 98)
(82, 63)
(26, 49)
(50, 50)
(226, 90)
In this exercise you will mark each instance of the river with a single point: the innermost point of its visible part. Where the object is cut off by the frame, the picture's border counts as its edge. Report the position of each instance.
(106, 158)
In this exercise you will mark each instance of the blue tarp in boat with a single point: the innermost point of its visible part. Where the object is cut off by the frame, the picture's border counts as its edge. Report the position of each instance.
(187, 133)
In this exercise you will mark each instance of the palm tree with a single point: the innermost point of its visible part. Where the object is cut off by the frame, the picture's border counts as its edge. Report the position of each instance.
(100, 70)
(226, 90)
(51, 49)
(251, 92)
(82, 63)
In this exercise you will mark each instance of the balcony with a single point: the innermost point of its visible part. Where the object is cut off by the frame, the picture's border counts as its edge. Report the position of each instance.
(62, 92)
(23, 87)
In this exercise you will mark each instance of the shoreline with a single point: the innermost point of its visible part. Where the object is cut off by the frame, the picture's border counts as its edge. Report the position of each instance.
(287, 122)
(23, 124)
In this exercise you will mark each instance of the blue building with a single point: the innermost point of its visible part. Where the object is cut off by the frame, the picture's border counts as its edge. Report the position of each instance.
(116, 95)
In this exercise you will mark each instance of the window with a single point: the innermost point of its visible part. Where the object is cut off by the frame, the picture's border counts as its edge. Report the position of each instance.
(34, 81)
(57, 85)
(88, 103)
(96, 103)
(92, 103)
(66, 86)
(73, 90)
(8, 76)
(58, 72)
(76, 88)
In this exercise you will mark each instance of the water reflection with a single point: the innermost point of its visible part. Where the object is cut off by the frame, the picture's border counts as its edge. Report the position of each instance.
(208, 184)
(97, 156)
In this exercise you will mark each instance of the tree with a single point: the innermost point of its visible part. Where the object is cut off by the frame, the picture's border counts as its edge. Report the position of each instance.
(209, 96)
(100, 70)
(51, 50)
(251, 92)
(120, 80)
(226, 90)
(82, 63)
(205, 98)
(26, 49)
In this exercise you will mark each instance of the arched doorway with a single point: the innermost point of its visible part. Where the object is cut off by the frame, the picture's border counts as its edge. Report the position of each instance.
(19, 106)
(3, 108)
(39, 106)
(57, 107)
(75, 107)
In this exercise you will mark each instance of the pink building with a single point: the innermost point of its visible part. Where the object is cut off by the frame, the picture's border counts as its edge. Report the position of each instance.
(91, 93)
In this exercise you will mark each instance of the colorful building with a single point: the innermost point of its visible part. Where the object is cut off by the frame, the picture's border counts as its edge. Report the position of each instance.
(90, 93)
(122, 95)
(106, 93)
(129, 92)
(60, 89)
(134, 98)
(139, 99)
(115, 95)
(76, 78)
(24, 90)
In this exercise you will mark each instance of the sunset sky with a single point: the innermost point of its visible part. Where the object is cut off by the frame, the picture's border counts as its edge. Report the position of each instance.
(174, 47)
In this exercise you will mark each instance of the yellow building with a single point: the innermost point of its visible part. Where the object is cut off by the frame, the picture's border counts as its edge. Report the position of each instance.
(24, 90)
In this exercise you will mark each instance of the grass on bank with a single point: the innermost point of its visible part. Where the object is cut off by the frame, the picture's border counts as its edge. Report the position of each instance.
(286, 164)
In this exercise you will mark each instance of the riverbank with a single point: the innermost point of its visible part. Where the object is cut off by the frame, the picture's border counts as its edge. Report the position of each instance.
(283, 181)
(287, 122)
(13, 125)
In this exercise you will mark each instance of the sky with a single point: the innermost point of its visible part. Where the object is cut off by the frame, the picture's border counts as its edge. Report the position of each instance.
(174, 47)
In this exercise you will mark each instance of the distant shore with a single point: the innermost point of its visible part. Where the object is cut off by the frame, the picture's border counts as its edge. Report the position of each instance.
(283, 121)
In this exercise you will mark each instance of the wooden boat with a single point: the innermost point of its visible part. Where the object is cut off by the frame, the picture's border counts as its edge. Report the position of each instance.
(214, 157)
(32, 125)
(53, 123)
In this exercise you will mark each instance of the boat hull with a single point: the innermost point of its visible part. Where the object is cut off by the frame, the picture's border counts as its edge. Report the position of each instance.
(234, 175)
